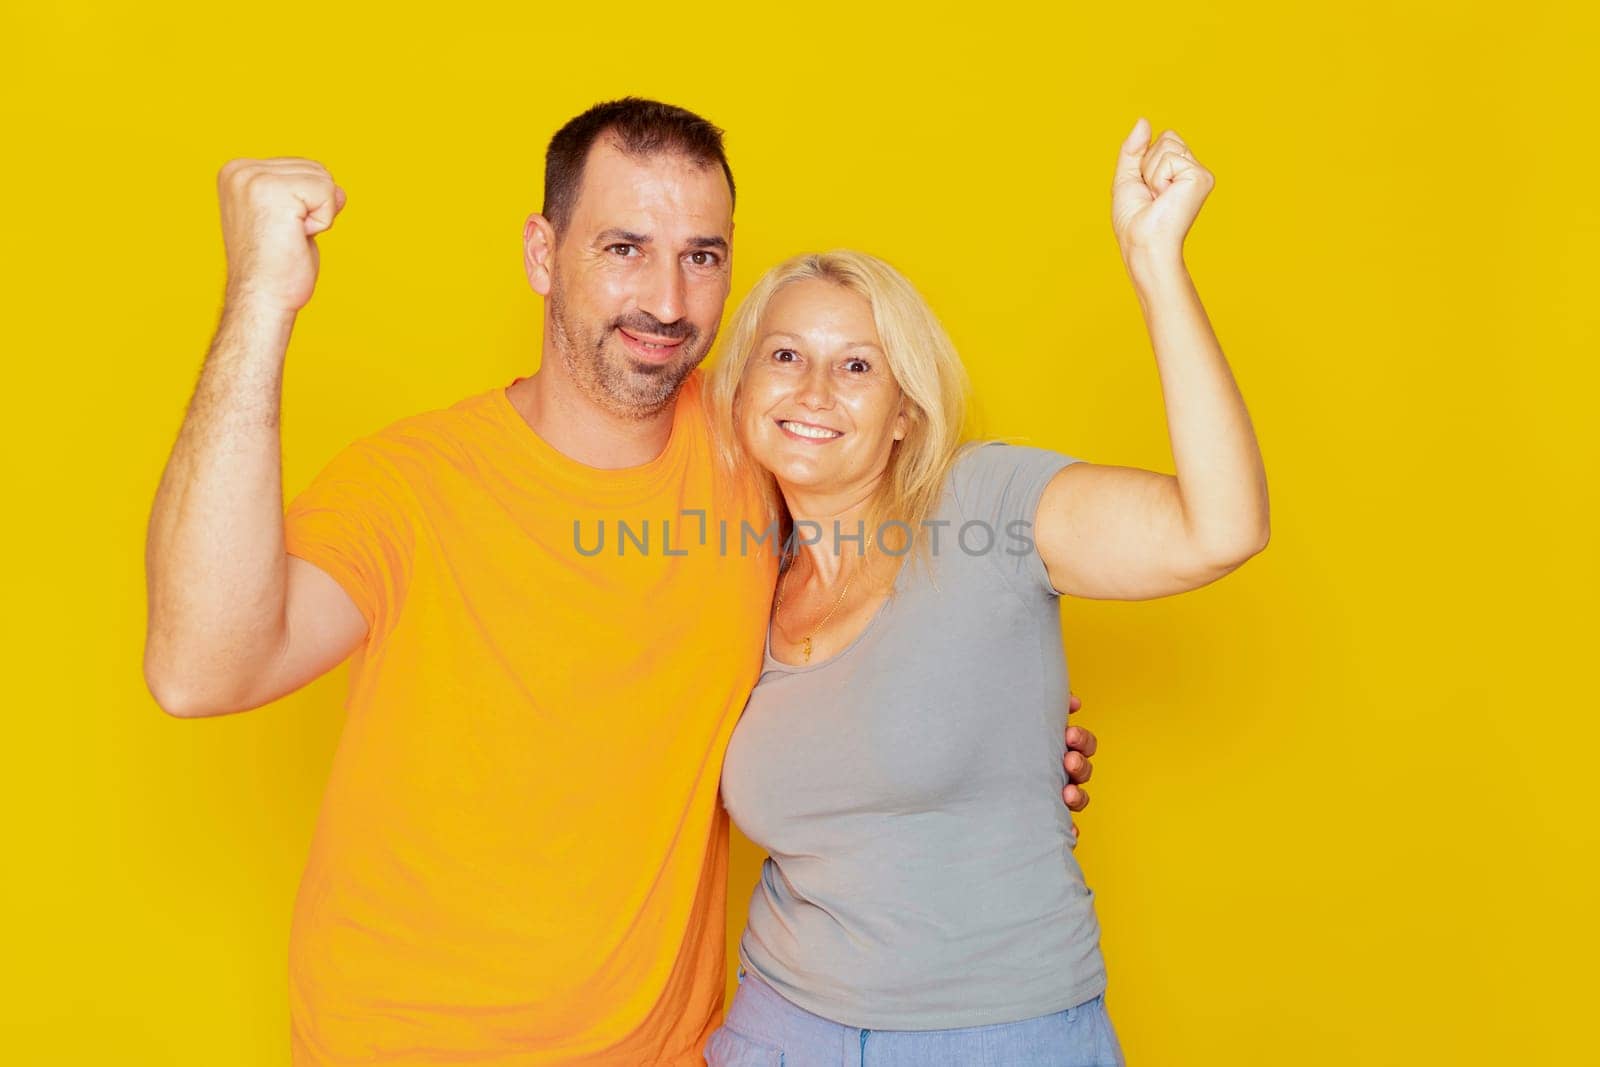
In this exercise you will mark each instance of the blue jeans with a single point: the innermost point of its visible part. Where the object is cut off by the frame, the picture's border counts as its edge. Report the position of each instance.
(765, 1030)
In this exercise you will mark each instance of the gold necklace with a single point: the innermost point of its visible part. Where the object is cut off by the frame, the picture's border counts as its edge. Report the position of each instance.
(805, 645)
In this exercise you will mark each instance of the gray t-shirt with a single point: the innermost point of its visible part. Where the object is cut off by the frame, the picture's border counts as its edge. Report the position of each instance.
(908, 789)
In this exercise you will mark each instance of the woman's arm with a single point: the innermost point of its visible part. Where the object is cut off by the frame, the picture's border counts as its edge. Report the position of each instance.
(1121, 533)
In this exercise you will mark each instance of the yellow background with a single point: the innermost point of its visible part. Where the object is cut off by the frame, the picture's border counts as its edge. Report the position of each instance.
(1341, 813)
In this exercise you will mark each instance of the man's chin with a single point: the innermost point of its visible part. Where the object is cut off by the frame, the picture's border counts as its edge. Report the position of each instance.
(645, 388)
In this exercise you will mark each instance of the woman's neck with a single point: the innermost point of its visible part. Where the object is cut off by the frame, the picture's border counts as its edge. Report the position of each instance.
(829, 525)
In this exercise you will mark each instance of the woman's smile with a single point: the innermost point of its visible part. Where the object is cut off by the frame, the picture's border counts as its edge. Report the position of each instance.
(809, 431)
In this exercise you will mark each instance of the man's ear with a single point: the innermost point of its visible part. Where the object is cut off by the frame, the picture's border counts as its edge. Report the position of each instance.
(538, 252)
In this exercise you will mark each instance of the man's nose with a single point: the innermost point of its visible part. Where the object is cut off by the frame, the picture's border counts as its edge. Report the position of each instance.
(663, 295)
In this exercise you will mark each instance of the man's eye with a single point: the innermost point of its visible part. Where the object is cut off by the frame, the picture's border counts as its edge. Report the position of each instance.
(704, 259)
(624, 250)
(857, 366)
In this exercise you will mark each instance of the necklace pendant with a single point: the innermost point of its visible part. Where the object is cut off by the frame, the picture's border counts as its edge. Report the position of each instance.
(805, 650)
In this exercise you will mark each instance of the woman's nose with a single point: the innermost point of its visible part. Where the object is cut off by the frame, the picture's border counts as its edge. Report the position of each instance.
(816, 388)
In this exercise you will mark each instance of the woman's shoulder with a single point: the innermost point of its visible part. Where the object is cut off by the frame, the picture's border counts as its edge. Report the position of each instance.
(985, 474)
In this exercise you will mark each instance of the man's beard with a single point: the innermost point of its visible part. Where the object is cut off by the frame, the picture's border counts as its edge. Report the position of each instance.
(622, 385)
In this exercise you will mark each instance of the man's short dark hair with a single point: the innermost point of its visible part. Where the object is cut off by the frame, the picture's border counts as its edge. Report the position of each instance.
(640, 128)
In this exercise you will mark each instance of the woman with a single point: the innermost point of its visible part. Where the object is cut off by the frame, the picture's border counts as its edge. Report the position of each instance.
(921, 904)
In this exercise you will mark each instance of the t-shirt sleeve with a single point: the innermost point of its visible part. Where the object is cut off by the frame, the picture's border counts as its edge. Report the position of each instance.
(999, 486)
(353, 521)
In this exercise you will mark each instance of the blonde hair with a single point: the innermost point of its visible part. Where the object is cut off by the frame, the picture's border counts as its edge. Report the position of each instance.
(920, 357)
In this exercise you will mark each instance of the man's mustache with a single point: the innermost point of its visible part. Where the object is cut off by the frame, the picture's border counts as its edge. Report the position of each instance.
(644, 322)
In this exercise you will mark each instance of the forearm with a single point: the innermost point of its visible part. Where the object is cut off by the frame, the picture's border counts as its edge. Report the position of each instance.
(215, 560)
(1222, 482)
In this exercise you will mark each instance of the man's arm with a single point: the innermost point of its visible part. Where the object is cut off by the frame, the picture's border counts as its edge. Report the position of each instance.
(1078, 761)
(234, 621)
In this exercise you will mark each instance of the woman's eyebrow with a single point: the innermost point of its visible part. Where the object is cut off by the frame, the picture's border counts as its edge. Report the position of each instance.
(771, 335)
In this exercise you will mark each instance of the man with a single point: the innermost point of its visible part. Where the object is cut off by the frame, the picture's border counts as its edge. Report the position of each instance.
(520, 857)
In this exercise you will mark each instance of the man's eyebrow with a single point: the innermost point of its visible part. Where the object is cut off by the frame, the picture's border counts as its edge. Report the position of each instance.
(629, 236)
(615, 234)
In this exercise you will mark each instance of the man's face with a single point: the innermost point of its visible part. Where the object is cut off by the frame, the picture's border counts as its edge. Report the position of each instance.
(637, 281)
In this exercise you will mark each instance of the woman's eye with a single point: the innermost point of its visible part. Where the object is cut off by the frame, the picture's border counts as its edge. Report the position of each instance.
(857, 366)
(785, 355)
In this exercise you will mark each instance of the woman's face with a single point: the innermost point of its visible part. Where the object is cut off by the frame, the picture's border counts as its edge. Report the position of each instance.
(818, 406)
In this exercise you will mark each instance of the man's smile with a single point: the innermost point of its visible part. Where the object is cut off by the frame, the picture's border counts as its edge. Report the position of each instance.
(651, 349)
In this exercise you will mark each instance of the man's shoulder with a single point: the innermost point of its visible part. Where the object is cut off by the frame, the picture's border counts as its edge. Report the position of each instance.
(693, 392)
(693, 427)
(439, 430)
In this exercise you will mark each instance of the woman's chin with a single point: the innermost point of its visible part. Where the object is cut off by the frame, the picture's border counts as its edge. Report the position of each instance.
(792, 473)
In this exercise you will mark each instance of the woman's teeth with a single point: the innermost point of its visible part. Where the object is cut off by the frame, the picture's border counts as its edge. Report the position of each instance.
(816, 432)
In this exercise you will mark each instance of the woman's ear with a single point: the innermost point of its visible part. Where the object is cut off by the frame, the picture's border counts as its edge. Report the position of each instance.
(538, 249)
(902, 422)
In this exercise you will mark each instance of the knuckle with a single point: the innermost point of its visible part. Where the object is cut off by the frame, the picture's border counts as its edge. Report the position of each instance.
(235, 172)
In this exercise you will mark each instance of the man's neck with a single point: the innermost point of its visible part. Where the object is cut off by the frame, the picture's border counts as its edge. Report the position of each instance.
(580, 429)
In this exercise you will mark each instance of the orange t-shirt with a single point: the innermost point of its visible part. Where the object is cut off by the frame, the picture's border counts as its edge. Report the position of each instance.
(520, 857)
